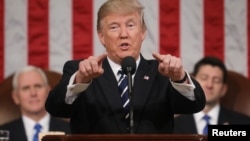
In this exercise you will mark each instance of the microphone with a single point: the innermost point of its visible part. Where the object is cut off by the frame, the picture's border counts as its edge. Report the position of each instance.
(128, 65)
(128, 68)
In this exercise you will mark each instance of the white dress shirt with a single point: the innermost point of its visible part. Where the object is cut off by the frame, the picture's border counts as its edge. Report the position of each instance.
(200, 123)
(29, 125)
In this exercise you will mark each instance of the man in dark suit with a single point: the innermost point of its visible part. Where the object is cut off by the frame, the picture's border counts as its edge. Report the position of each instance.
(88, 92)
(30, 90)
(211, 73)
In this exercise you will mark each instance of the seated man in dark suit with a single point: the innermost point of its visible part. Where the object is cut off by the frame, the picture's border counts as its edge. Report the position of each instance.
(30, 90)
(211, 73)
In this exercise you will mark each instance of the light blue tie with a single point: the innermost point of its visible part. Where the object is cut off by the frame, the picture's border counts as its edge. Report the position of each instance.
(37, 127)
(205, 129)
(123, 89)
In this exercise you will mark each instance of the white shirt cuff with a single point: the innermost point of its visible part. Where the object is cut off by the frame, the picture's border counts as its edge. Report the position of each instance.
(73, 90)
(186, 90)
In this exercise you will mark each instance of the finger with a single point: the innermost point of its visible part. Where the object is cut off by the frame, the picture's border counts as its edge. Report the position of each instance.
(172, 64)
(101, 58)
(88, 68)
(83, 69)
(94, 65)
(157, 56)
(96, 62)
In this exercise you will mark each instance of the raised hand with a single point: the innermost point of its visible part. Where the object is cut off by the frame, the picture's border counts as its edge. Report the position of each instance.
(90, 68)
(170, 66)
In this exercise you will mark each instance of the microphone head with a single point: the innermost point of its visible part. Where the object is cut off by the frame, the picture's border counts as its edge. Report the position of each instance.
(128, 65)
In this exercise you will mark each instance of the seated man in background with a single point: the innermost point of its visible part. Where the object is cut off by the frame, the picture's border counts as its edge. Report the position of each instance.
(211, 73)
(30, 90)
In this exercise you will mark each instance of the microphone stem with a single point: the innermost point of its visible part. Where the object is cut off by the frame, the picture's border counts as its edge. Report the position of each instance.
(131, 113)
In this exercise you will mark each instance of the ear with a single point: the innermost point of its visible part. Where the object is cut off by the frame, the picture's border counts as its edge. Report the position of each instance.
(143, 34)
(224, 90)
(101, 38)
(49, 88)
(15, 97)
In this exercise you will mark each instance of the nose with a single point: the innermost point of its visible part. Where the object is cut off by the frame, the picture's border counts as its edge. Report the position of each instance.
(123, 33)
(209, 83)
(33, 91)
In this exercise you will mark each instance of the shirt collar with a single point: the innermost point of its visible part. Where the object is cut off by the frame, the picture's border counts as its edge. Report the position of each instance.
(116, 67)
(213, 113)
(30, 123)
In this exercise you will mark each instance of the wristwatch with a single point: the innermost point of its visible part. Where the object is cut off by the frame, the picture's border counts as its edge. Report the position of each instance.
(182, 80)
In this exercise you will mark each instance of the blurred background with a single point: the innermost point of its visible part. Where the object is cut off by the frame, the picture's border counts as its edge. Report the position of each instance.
(46, 33)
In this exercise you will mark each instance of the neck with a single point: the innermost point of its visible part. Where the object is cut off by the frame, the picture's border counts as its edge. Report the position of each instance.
(209, 106)
(36, 116)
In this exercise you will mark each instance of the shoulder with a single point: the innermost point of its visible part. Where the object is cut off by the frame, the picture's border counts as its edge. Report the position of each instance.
(12, 125)
(150, 64)
(72, 62)
(233, 113)
(71, 66)
(234, 116)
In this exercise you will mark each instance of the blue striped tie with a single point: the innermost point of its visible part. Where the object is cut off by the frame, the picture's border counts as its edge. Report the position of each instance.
(123, 89)
(37, 128)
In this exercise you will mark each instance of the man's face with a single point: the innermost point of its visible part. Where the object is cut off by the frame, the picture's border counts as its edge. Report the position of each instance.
(211, 80)
(122, 35)
(31, 93)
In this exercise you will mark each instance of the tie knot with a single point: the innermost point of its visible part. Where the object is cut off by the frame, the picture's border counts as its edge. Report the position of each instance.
(37, 127)
(206, 118)
(120, 72)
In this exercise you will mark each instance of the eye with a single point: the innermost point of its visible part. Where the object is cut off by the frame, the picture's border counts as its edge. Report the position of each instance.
(131, 24)
(203, 77)
(38, 86)
(114, 27)
(26, 88)
(217, 80)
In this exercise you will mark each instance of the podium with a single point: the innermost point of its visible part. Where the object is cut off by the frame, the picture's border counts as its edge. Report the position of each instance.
(126, 137)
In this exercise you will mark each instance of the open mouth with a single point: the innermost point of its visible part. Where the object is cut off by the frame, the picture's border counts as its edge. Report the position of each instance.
(124, 46)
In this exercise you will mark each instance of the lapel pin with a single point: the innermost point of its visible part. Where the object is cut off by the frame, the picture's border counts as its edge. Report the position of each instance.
(146, 77)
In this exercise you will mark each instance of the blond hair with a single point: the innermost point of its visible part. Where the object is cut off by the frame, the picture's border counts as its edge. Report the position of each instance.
(119, 7)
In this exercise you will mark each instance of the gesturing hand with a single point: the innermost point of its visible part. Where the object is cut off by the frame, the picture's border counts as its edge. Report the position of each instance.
(170, 66)
(90, 68)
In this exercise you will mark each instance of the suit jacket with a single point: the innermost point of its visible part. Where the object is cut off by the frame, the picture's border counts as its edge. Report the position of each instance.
(99, 108)
(17, 131)
(185, 124)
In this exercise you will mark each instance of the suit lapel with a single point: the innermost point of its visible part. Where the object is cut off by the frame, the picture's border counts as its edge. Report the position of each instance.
(20, 131)
(223, 117)
(142, 83)
(108, 82)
